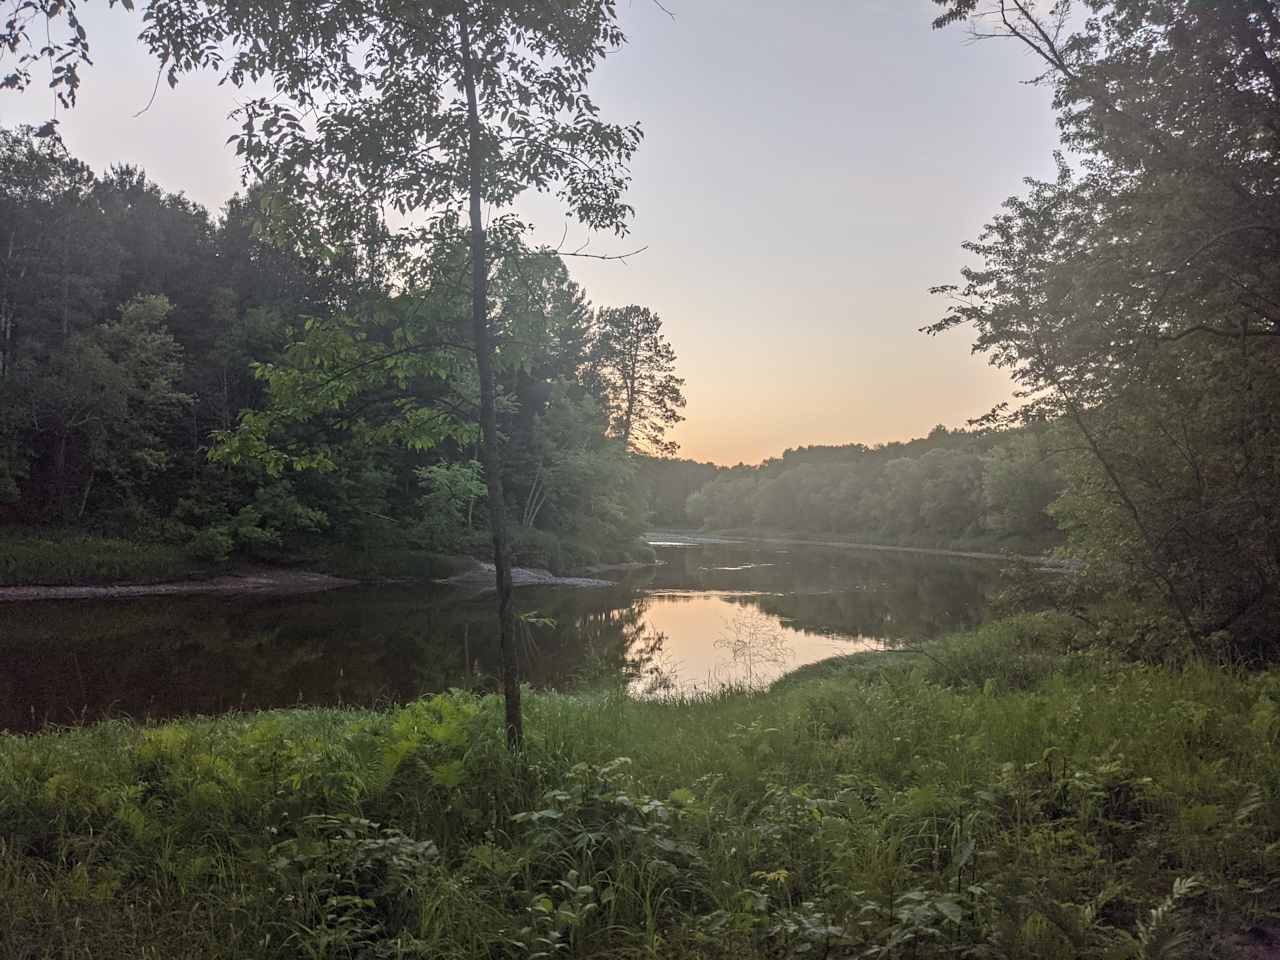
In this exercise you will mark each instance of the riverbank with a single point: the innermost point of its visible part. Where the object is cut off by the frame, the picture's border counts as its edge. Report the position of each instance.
(280, 582)
(84, 566)
(104, 566)
(1006, 788)
(774, 538)
(263, 581)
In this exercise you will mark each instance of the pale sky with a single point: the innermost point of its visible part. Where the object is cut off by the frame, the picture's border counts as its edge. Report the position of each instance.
(809, 169)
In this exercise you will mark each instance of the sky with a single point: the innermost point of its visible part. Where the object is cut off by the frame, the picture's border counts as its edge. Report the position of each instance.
(809, 169)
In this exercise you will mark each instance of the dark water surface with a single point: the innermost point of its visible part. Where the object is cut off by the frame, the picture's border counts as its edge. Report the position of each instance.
(709, 614)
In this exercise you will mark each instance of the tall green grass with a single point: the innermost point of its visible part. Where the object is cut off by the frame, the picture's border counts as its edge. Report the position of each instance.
(999, 795)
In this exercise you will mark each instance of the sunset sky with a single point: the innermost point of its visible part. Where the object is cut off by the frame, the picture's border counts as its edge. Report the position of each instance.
(809, 169)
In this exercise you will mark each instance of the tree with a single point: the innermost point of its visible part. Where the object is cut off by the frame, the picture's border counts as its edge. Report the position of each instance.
(56, 261)
(104, 401)
(1020, 481)
(386, 105)
(669, 482)
(1134, 296)
(633, 365)
(452, 491)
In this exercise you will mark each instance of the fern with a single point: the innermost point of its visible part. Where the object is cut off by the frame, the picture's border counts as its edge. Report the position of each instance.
(1253, 801)
(1163, 936)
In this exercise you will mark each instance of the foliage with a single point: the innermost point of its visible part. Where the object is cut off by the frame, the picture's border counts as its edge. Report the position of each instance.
(275, 362)
(632, 369)
(578, 480)
(452, 490)
(70, 557)
(753, 639)
(1132, 297)
(922, 804)
(107, 398)
(422, 112)
(669, 482)
(952, 488)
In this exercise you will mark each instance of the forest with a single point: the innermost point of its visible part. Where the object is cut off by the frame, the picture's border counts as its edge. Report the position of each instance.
(162, 379)
(1006, 691)
(950, 489)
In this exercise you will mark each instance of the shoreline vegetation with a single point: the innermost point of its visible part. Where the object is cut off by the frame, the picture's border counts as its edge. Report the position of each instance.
(53, 567)
(782, 538)
(280, 582)
(1016, 789)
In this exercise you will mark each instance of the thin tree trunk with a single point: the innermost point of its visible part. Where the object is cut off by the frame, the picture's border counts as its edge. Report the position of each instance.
(490, 454)
(84, 497)
(632, 387)
(60, 472)
(7, 314)
(1155, 567)
(6, 340)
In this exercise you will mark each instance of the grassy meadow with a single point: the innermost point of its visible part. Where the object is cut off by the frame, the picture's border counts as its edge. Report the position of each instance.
(1006, 793)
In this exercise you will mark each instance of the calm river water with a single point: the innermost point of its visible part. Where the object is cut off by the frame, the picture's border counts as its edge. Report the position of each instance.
(709, 614)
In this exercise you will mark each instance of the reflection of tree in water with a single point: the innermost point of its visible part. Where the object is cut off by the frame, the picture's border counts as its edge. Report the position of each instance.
(613, 645)
(754, 641)
(923, 602)
(839, 591)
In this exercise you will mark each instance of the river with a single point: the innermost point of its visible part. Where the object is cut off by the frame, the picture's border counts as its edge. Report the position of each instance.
(706, 615)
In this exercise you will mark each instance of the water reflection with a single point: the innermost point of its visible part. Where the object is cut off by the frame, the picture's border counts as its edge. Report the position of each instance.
(63, 661)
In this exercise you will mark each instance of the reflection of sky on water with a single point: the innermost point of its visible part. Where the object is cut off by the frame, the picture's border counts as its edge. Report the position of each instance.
(692, 621)
(156, 657)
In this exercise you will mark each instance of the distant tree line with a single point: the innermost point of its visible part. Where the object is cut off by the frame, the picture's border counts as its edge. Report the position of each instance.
(951, 488)
(164, 372)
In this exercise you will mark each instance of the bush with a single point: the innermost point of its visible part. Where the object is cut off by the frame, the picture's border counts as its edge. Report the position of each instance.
(52, 557)
(212, 545)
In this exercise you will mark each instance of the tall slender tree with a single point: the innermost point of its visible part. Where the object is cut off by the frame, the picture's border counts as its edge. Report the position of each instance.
(443, 113)
(633, 366)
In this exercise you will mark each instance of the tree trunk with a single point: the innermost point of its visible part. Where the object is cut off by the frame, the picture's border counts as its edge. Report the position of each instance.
(60, 472)
(6, 340)
(84, 497)
(491, 457)
(632, 377)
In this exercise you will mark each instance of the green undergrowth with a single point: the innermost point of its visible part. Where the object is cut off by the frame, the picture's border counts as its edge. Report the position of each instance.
(1000, 794)
(382, 562)
(984, 542)
(56, 557)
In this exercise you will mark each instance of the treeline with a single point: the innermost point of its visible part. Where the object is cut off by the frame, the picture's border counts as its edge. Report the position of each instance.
(952, 488)
(170, 375)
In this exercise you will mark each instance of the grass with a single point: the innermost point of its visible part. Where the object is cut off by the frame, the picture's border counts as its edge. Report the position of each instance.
(1002, 794)
(50, 557)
